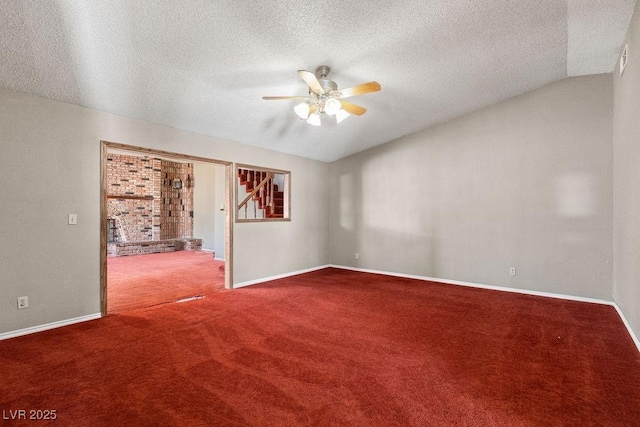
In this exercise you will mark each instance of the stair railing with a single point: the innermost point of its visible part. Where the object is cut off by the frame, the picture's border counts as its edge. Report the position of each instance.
(268, 179)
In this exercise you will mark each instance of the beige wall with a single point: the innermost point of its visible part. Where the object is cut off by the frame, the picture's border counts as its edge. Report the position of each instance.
(526, 183)
(220, 214)
(50, 167)
(209, 194)
(626, 150)
(204, 204)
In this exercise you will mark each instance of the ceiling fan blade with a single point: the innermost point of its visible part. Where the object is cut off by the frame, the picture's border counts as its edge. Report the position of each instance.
(353, 108)
(359, 89)
(278, 98)
(312, 81)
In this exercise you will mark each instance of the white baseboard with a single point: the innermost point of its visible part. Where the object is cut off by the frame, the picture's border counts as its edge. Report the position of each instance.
(634, 337)
(478, 285)
(279, 276)
(503, 289)
(34, 329)
(47, 326)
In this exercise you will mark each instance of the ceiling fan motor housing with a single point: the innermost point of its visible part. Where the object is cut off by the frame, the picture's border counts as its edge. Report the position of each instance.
(327, 85)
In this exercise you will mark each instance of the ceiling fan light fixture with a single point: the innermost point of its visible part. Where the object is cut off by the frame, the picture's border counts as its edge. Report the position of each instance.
(302, 110)
(332, 106)
(324, 98)
(341, 115)
(314, 119)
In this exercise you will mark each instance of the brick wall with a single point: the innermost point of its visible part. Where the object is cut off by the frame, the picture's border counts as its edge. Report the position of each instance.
(153, 247)
(176, 211)
(151, 209)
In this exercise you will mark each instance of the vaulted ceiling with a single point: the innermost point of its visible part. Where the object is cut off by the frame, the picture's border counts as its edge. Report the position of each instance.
(205, 65)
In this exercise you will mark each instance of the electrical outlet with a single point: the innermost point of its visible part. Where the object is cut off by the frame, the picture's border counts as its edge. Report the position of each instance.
(23, 302)
(357, 255)
(512, 271)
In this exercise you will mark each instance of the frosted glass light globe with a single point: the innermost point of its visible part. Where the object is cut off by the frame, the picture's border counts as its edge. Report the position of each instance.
(314, 119)
(332, 106)
(302, 110)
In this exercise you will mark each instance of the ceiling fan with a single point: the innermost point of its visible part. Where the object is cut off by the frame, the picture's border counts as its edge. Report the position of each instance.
(325, 99)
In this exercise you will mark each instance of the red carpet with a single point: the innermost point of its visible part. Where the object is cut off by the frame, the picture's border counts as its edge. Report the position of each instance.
(145, 280)
(334, 348)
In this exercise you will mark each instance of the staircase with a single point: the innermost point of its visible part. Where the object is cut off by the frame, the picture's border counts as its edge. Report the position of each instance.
(260, 189)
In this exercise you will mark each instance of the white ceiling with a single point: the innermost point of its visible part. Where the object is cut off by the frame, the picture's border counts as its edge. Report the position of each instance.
(205, 65)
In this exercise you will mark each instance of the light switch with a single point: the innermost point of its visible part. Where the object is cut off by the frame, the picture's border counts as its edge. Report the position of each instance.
(73, 219)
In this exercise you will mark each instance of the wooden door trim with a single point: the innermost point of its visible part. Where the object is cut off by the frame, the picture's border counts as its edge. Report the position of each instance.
(135, 150)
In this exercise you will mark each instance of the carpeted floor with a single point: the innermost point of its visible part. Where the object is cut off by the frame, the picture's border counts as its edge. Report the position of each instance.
(334, 347)
(144, 280)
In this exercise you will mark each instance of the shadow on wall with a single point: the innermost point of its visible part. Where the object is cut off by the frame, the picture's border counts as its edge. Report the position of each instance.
(469, 225)
(379, 231)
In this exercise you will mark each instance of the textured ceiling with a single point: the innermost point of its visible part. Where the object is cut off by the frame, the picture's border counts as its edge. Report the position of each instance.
(205, 65)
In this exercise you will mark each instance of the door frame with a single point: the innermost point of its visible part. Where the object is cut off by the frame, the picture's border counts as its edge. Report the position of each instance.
(135, 150)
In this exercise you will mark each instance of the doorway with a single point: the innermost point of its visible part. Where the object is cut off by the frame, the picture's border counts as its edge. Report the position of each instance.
(144, 201)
